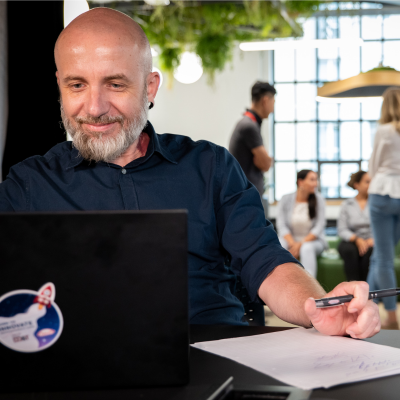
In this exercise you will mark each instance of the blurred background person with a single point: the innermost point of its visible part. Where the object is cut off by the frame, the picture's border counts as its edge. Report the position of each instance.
(246, 143)
(354, 228)
(384, 201)
(301, 221)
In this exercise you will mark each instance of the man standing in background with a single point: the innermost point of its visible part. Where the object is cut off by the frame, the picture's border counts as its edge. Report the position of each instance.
(246, 143)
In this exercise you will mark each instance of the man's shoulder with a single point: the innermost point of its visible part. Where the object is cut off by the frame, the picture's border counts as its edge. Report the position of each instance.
(60, 151)
(247, 133)
(246, 124)
(184, 148)
(59, 154)
(180, 144)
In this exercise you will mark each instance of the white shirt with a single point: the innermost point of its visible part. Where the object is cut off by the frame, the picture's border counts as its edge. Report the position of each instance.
(301, 222)
(384, 164)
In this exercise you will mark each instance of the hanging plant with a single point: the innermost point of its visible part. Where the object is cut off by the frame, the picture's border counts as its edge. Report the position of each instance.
(212, 29)
(214, 51)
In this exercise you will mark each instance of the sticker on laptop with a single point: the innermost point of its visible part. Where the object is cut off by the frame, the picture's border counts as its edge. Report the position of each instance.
(30, 321)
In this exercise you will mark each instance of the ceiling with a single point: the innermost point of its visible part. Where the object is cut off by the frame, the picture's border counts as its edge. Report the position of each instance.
(385, 7)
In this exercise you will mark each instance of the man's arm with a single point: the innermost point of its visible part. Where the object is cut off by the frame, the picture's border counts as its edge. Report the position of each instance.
(295, 304)
(288, 304)
(261, 158)
(269, 272)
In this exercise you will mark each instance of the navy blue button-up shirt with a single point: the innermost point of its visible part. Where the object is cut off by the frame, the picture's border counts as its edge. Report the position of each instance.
(225, 212)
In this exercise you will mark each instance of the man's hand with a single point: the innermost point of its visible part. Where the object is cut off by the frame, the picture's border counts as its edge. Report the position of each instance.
(362, 246)
(359, 318)
(287, 290)
(294, 249)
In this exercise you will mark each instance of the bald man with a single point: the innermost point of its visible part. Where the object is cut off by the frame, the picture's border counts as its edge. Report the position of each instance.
(117, 162)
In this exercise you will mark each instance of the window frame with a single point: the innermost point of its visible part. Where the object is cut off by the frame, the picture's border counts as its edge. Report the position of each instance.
(317, 121)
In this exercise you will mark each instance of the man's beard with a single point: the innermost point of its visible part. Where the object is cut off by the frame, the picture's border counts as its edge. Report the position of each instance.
(95, 146)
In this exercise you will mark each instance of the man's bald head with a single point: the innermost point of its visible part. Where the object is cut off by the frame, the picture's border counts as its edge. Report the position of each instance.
(104, 26)
(106, 84)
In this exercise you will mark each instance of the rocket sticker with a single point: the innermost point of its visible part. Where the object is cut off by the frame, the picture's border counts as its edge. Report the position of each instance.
(47, 293)
(30, 321)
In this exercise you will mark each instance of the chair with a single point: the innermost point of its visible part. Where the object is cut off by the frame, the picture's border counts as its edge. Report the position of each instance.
(253, 312)
(331, 266)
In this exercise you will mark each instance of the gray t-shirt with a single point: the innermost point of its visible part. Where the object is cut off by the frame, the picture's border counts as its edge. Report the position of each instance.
(247, 136)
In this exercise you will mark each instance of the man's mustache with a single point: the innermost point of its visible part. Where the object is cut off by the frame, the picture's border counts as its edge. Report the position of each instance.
(103, 119)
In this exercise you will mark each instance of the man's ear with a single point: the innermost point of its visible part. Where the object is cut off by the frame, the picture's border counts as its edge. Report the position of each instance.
(153, 82)
(265, 100)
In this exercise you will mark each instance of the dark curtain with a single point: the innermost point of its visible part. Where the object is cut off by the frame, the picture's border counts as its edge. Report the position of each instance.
(34, 113)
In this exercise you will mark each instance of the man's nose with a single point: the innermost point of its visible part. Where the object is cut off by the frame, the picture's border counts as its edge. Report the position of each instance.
(97, 103)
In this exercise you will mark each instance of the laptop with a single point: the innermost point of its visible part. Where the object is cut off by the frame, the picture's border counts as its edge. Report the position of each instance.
(93, 300)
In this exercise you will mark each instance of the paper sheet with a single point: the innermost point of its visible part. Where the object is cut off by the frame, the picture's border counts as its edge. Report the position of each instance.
(308, 359)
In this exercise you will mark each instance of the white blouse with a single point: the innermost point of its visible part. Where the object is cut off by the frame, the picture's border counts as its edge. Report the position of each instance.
(301, 222)
(384, 164)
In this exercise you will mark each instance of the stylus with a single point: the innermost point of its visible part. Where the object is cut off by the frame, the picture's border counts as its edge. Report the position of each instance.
(337, 301)
(222, 390)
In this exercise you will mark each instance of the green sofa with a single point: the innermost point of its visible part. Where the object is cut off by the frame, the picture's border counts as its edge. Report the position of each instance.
(331, 267)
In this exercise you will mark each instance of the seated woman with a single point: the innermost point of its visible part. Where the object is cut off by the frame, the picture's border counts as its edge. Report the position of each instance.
(301, 221)
(355, 230)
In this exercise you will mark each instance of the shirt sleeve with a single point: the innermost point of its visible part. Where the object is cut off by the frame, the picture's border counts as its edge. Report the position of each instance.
(251, 137)
(243, 231)
(344, 231)
(320, 223)
(14, 190)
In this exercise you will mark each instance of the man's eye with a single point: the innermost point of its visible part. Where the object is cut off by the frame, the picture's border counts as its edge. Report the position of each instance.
(116, 86)
(77, 86)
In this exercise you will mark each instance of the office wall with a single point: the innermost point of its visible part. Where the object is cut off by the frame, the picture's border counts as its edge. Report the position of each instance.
(3, 79)
(211, 112)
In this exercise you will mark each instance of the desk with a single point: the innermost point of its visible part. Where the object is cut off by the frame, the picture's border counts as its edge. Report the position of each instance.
(209, 371)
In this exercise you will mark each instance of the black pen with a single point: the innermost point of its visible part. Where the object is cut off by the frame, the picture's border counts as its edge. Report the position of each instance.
(337, 301)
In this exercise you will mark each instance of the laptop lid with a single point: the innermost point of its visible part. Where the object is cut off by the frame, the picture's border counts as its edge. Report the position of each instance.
(119, 316)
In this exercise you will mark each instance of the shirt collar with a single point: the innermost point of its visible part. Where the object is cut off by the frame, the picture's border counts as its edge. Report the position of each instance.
(154, 146)
(75, 158)
(258, 118)
(158, 147)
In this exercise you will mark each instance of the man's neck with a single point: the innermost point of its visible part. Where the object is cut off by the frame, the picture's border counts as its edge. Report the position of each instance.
(136, 150)
(258, 111)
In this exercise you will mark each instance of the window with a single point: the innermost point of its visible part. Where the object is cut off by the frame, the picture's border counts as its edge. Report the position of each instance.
(333, 139)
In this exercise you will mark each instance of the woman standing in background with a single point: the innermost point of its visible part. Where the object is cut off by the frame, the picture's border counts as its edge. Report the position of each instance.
(384, 201)
(355, 230)
(301, 221)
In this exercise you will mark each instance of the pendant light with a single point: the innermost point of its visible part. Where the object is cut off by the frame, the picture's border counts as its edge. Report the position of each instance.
(366, 84)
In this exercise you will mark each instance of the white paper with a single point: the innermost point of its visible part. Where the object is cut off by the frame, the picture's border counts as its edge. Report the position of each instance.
(308, 359)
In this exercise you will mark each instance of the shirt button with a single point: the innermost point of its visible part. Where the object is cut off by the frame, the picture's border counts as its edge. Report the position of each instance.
(123, 171)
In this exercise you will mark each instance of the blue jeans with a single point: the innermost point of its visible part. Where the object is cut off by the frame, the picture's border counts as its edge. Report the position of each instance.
(385, 224)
